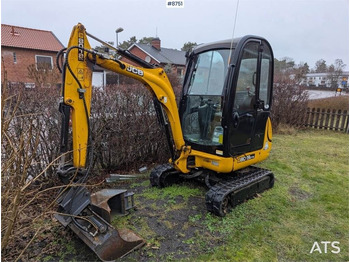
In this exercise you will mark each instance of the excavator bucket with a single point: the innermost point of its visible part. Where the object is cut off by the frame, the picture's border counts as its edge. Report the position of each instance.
(89, 218)
(110, 202)
(111, 245)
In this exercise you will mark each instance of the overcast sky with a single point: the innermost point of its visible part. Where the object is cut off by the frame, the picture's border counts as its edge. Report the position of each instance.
(305, 30)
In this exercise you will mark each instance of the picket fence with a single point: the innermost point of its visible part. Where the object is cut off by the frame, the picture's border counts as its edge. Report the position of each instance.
(331, 119)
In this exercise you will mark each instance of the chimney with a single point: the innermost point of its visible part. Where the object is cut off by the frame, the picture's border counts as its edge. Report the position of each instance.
(13, 32)
(156, 43)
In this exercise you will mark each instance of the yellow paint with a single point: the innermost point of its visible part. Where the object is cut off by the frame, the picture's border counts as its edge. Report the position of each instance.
(157, 82)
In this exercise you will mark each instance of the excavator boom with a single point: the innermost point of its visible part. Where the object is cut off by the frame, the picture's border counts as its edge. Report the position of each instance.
(78, 88)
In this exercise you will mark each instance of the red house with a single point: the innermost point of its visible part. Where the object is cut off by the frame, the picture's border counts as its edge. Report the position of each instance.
(170, 59)
(24, 47)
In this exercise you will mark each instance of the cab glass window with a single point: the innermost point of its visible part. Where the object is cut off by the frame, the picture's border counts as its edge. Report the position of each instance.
(209, 73)
(201, 120)
(265, 78)
(246, 82)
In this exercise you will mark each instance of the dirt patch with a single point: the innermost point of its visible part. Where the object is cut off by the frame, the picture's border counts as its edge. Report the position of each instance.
(174, 226)
(299, 194)
(171, 221)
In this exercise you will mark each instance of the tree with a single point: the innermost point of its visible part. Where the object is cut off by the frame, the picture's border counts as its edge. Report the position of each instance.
(284, 68)
(283, 65)
(102, 48)
(334, 72)
(145, 40)
(320, 66)
(126, 44)
(188, 46)
(339, 65)
(300, 71)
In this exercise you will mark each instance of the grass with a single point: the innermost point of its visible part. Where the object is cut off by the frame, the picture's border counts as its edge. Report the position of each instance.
(309, 203)
(170, 193)
(338, 102)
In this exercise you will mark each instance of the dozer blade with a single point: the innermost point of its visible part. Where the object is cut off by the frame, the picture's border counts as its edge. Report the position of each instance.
(87, 221)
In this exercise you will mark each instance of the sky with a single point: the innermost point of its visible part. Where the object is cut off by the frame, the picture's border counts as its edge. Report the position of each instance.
(304, 30)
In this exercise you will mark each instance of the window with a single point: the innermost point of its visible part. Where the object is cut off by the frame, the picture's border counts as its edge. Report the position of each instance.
(29, 85)
(209, 74)
(14, 58)
(265, 78)
(43, 62)
(201, 120)
(246, 82)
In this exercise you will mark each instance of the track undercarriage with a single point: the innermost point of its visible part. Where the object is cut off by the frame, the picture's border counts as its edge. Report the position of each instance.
(225, 190)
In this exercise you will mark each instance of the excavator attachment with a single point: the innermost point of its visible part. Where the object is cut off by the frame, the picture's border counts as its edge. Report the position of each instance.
(110, 202)
(89, 217)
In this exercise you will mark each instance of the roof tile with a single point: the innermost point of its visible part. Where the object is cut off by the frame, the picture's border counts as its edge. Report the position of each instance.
(164, 55)
(29, 38)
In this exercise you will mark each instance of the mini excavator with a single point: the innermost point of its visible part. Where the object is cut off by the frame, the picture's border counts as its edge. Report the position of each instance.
(220, 129)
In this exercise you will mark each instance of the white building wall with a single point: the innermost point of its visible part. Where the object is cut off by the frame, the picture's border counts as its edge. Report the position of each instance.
(322, 80)
(99, 79)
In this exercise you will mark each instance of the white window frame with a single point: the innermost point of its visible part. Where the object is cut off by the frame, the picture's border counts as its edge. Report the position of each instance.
(29, 85)
(36, 61)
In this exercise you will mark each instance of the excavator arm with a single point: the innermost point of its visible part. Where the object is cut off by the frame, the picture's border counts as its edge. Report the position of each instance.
(88, 215)
(77, 90)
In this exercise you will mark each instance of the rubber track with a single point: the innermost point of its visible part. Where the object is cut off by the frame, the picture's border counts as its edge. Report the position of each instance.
(215, 196)
(158, 174)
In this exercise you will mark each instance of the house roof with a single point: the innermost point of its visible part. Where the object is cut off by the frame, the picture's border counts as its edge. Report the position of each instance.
(29, 38)
(164, 55)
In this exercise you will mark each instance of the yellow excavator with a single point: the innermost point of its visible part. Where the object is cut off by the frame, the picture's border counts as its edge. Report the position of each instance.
(220, 129)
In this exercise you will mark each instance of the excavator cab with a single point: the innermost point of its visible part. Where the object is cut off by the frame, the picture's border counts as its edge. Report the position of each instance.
(224, 113)
(226, 97)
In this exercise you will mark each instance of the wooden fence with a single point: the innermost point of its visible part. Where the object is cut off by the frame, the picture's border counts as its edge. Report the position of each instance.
(330, 119)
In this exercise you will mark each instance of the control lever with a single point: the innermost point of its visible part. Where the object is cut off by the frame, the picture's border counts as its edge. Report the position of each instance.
(235, 117)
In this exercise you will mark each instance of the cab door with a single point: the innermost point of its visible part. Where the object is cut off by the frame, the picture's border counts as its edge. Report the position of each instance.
(264, 96)
(251, 94)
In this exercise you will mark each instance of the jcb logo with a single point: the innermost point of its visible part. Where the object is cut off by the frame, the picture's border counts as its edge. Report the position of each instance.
(134, 70)
(335, 249)
(80, 44)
